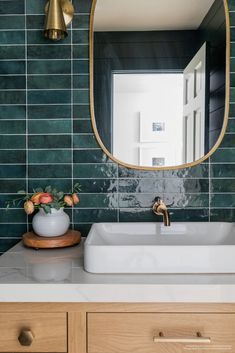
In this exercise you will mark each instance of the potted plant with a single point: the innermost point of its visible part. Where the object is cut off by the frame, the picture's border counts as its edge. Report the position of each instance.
(50, 220)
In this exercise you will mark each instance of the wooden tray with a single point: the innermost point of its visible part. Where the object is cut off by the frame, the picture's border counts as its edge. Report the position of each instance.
(71, 238)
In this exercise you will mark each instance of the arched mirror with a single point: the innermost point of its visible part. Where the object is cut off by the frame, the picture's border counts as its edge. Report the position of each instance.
(159, 80)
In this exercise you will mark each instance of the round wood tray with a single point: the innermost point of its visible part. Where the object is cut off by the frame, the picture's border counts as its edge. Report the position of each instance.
(71, 238)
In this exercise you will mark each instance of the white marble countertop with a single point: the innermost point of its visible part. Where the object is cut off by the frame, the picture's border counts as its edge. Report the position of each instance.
(58, 276)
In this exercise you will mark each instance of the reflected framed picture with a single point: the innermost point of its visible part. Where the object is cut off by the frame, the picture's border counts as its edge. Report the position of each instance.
(151, 129)
(156, 156)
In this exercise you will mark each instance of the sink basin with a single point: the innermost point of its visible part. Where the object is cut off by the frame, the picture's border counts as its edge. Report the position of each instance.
(153, 248)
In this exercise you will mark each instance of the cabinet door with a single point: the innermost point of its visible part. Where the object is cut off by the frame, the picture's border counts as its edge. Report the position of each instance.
(161, 333)
(33, 332)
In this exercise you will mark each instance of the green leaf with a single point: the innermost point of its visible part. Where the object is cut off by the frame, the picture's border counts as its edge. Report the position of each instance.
(48, 189)
(22, 192)
(54, 192)
(77, 187)
(60, 195)
(38, 190)
(46, 208)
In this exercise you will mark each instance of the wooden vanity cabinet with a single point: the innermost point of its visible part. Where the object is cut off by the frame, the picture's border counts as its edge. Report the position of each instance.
(161, 332)
(33, 332)
(116, 328)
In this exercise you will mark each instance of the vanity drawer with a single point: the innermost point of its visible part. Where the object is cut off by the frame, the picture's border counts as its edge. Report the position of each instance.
(38, 332)
(162, 333)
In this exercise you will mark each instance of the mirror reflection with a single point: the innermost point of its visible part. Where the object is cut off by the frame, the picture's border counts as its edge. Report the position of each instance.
(159, 79)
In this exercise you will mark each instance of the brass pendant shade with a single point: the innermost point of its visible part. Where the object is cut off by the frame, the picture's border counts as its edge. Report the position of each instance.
(59, 14)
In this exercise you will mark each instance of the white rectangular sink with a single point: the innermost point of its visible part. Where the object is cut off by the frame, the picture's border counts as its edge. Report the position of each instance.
(153, 248)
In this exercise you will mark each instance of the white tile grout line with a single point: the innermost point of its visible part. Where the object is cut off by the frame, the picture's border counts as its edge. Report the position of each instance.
(26, 109)
(72, 82)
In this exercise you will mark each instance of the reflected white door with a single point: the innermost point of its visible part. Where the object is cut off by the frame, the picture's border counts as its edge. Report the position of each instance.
(194, 107)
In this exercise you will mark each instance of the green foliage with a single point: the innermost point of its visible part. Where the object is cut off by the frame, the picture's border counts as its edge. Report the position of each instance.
(76, 188)
(58, 198)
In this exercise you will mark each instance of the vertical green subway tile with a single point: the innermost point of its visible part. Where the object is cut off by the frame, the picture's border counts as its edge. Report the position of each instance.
(98, 201)
(49, 112)
(98, 185)
(60, 184)
(12, 97)
(80, 66)
(49, 82)
(12, 7)
(222, 200)
(12, 142)
(50, 171)
(83, 228)
(12, 126)
(49, 141)
(222, 215)
(12, 112)
(97, 215)
(48, 156)
(81, 81)
(49, 97)
(89, 156)
(81, 112)
(12, 230)
(12, 157)
(12, 82)
(12, 37)
(81, 21)
(87, 171)
(81, 96)
(49, 126)
(35, 6)
(80, 37)
(35, 22)
(81, 126)
(13, 216)
(48, 52)
(12, 171)
(12, 52)
(12, 67)
(83, 6)
(12, 22)
(85, 141)
(51, 67)
(12, 186)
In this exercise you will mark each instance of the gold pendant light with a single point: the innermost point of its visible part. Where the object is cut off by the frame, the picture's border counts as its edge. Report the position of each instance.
(59, 14)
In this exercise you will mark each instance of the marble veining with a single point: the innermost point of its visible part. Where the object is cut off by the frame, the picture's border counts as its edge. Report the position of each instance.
(58, 276)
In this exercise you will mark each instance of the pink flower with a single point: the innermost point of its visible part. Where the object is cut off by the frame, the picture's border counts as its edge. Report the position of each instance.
(45, 198)
(75, 199)
(68, 200)
(35, 198)
(29, 207)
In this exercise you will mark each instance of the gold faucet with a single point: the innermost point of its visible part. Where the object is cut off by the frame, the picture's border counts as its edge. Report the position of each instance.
(159, 208)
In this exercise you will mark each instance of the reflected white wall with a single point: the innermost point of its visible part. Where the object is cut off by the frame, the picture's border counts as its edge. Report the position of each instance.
(153, 97)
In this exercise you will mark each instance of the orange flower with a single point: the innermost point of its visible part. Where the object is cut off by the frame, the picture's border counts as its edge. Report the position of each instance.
(68, 200)
(29, 207)
(45, 198)
(75, 199)
(35, 198)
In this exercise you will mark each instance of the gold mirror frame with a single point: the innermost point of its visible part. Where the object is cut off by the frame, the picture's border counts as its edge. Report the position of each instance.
(227, 99)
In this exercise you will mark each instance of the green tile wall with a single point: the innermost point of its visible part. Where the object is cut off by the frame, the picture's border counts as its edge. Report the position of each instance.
(46, 135)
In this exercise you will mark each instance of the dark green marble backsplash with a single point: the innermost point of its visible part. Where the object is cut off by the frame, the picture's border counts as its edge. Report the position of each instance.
(47, 138)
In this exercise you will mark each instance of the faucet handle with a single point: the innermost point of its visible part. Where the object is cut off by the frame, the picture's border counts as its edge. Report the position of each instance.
(159, 206)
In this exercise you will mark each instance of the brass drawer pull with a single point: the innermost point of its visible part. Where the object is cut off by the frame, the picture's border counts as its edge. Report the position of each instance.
(195, 339)
(26, 338)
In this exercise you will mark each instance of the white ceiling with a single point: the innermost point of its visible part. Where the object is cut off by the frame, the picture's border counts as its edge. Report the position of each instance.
(147, 15)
